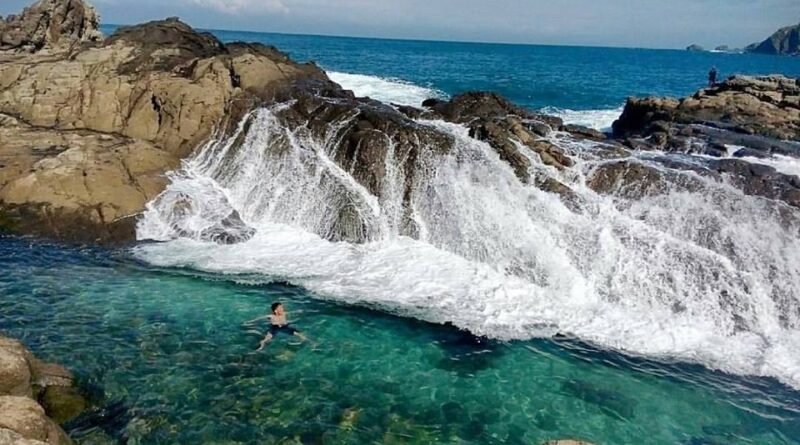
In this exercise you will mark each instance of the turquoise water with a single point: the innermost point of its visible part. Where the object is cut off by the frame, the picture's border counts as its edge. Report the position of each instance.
(567, 77)
(166, 359)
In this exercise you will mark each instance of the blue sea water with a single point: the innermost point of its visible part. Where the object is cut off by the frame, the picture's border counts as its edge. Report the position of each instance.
(166, 359)
(535, 76)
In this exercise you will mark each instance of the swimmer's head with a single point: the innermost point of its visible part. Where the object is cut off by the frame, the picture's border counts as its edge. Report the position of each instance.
(277, 308)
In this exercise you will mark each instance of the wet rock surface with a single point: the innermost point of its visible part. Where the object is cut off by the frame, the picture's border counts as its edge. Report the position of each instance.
(753, 117)
(35, 397)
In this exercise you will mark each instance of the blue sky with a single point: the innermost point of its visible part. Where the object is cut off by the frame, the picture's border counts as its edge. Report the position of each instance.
(639, 23)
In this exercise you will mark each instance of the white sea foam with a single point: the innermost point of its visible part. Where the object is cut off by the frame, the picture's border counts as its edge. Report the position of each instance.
(783, 164)
(388, 90)
(709, 276)
(401, 92)
(596, 119)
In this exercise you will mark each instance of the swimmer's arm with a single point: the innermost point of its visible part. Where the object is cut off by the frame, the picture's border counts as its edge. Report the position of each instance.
(257, 319)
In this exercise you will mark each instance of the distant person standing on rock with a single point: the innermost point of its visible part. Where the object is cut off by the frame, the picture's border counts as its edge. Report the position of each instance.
(712, 77)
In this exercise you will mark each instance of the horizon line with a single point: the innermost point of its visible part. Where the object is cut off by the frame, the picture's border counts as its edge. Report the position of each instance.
(419, 39)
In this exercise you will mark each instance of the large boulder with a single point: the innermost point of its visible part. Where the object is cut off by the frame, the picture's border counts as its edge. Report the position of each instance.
(52, 25)
(15, 371)
(88, 135)
(52, 385)
(21, 419)
(35, 396)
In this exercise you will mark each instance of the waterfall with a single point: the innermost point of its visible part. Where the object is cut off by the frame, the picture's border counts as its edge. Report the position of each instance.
(704, 273)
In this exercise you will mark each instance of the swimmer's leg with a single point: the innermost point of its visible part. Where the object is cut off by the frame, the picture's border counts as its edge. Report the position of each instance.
(267, 339)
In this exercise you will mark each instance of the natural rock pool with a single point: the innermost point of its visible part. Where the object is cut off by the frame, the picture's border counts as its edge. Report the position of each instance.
(165, 359)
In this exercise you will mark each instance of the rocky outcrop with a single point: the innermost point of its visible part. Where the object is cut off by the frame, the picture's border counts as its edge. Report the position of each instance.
(517, 135)
(368, 134)
(785, 41)
(633, 179)
(88, 134)
(759, 116)
(765, 106)
(695, 48)
(53, 25)
(34, 398)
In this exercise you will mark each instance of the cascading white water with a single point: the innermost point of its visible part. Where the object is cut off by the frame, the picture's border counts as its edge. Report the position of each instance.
(709, 276)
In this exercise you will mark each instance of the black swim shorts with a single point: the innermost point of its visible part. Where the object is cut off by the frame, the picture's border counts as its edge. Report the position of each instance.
(286, 329)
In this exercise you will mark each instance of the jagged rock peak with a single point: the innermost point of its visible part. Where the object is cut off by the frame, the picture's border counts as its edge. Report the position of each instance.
(50, 24)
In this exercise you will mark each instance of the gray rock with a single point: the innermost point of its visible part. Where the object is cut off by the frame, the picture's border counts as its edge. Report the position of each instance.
(785, 41)
(50, 24)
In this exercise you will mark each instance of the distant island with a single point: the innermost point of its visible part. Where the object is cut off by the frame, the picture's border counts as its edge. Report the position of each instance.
(784, 42)
(719, 49)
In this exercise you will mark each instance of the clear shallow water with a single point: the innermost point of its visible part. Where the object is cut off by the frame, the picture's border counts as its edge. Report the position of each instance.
(165, 355)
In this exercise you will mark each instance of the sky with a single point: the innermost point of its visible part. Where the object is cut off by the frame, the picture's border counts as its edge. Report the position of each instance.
(628, 23)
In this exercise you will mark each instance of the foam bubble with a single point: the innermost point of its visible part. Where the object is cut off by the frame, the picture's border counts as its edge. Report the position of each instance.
(388, 90)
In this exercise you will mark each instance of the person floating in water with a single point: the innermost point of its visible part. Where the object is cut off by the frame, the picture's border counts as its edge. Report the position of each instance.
(712, 77)
(278, 324)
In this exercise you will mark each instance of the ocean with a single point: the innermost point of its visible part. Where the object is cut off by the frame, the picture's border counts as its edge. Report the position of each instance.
(512, 319)
(586, 85)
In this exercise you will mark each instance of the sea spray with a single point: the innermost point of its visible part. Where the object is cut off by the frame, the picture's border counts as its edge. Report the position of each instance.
(703, 274)
(388, 90)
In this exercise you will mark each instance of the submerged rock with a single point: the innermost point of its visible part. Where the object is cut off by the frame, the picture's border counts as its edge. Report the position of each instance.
(611, 403)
